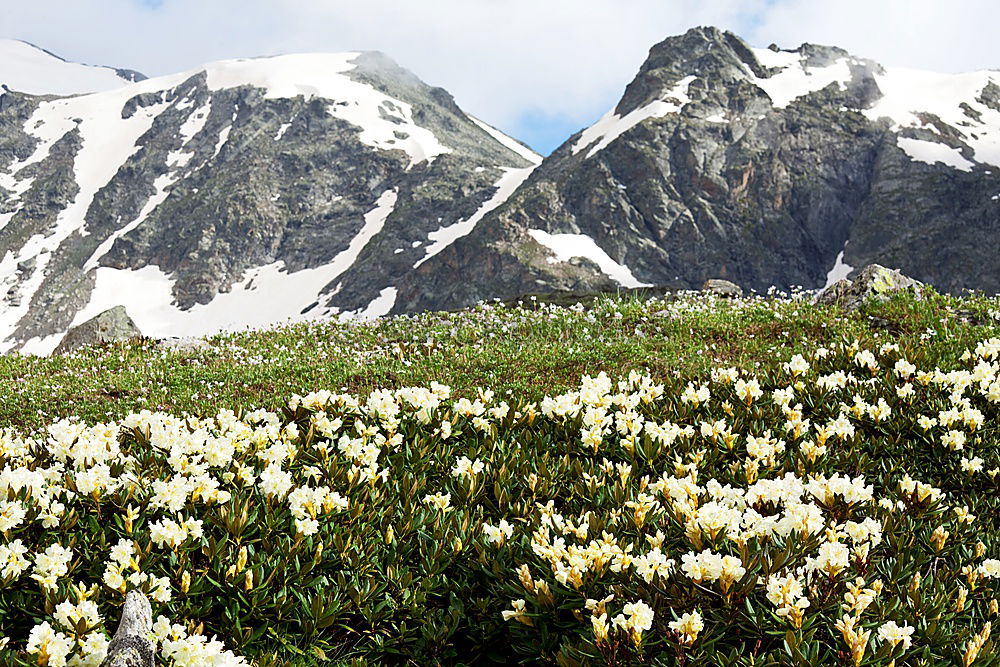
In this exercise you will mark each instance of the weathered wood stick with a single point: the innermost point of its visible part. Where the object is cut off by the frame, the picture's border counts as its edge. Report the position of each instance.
(131, 647)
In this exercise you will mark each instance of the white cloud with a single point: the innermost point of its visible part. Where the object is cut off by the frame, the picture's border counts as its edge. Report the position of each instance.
(502, 59)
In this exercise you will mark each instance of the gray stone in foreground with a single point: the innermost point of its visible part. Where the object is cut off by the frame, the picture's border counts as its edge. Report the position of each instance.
(183, 344)
(723, 288)
(873, 281)
(131, 647)
(112, 324)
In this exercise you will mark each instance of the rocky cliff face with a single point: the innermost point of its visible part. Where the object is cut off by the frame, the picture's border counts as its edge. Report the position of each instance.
(763, 166)
(240, 194)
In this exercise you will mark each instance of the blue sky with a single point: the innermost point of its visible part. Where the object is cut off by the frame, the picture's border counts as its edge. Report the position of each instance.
(538, 69)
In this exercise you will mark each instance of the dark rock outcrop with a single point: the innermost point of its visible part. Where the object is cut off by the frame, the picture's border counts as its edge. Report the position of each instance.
(111, 325)
(724, 288)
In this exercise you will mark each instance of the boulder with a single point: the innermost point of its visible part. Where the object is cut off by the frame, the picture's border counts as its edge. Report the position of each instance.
(131, 647)
(183, 344)
(112, 324)
(873, 281)
(722, 288)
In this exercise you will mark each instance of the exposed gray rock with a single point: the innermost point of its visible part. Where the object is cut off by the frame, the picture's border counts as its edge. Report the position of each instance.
(113, 324)
(131, 647)
(723, 288)
(872, 282)
(183, 343)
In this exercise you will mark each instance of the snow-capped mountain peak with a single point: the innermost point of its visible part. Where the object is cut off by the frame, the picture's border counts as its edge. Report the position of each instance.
(307, 184)
(28, 69)
(765, 166)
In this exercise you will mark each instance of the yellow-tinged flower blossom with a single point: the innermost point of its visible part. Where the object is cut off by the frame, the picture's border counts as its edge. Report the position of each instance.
(439, 501)
(939, 538)
(896, 634)
(517, 612)
(688, 626)
(975, 645)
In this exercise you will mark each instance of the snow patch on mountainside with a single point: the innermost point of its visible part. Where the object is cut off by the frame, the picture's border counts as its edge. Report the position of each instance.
(567, 246)
(380, 305)
(910, 99)
(611, 125)
(918, 99)
(932, 152)
(382, 119)
(445, 236)
(29, 69)
(265, 296)
(840, 270)
(794, 78)
(508, 142)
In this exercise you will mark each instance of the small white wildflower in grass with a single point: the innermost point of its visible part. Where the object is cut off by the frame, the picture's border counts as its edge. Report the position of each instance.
(990, 568)
(51, 647)
(12, 559)
(12, 514)
(954, 440)
(636, 618)
(306, 527)
(972, 465)
(517, 613)
(51, 564)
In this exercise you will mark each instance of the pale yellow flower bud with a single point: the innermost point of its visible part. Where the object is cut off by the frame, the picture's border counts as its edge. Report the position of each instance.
(938, 538)
(960, 598)
(241, 560)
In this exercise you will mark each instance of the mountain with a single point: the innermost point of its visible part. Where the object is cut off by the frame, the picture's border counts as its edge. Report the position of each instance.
(29, 69)
(763, 166)
(249, 192)
(242, 193)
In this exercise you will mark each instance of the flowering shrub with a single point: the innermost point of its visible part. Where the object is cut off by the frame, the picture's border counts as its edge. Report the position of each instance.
(728, 522)
(835, 507)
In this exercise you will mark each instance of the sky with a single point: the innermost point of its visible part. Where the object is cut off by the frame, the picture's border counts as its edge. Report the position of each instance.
(539, 70)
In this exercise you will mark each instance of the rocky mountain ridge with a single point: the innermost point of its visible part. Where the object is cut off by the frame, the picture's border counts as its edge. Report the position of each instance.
(765, 166)
(243, 193)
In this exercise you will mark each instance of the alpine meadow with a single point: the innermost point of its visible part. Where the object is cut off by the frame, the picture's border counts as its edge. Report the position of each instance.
(302, 364)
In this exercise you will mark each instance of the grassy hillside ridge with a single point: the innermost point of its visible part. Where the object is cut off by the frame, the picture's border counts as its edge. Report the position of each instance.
(524, 351)
(685, 480)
